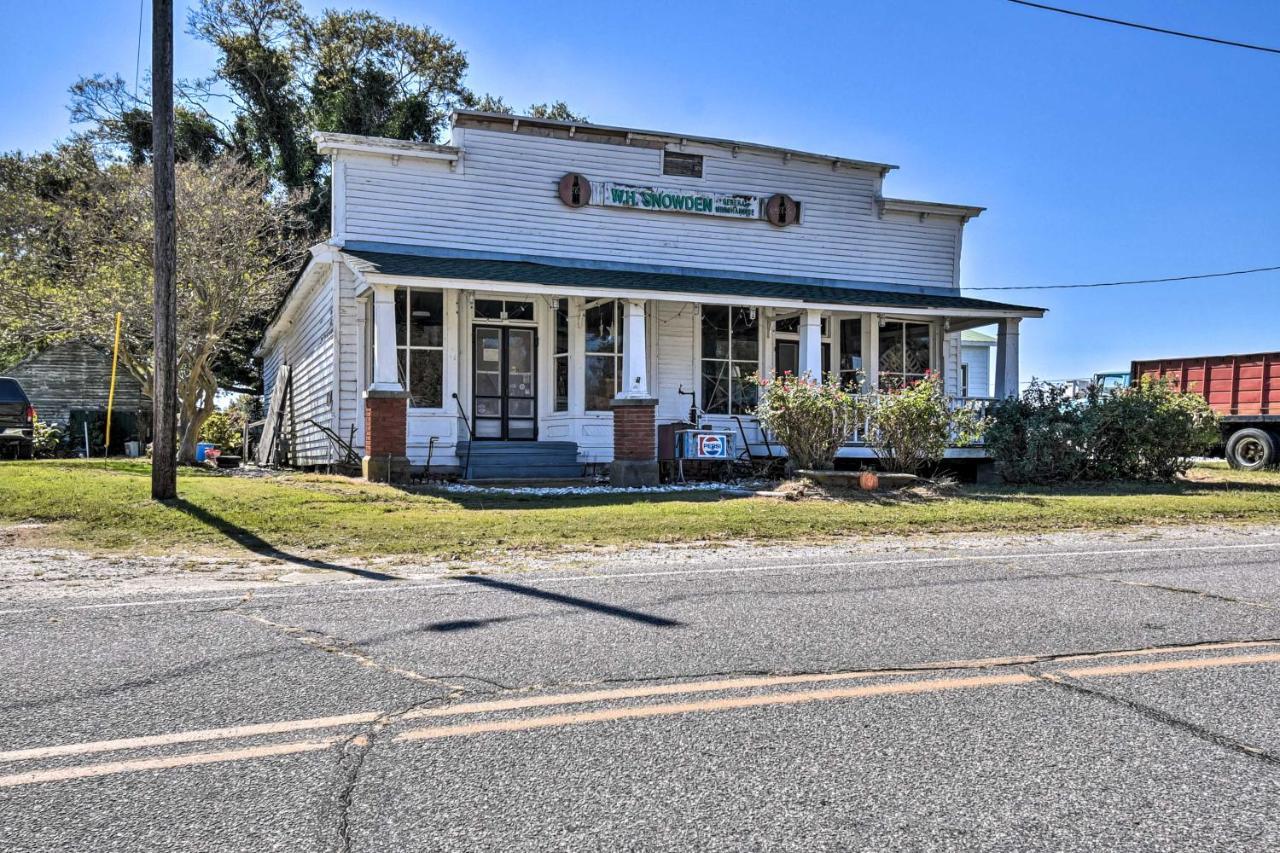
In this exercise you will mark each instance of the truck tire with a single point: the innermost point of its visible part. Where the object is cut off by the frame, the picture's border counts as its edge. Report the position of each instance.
(1251, 449)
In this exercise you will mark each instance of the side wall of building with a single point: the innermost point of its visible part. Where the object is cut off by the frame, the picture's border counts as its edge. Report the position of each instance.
(76, 375)
(306, 344)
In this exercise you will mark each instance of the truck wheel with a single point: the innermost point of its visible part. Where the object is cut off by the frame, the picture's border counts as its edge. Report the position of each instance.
(1251, 449)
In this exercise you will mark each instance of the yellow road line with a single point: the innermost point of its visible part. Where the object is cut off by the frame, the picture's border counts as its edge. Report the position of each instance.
(186, 737)
(112, 768)
(591, 696)
(797, 698)
(1168, 666)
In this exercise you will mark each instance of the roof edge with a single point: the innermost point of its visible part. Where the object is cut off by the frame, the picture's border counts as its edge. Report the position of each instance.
(666, 136)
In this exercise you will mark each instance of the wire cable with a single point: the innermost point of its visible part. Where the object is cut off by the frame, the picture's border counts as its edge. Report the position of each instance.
(1131, 281)
(1147, 27)
(137, 55)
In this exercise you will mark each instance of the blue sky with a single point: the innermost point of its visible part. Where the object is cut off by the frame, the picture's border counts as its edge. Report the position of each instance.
(1101, 152)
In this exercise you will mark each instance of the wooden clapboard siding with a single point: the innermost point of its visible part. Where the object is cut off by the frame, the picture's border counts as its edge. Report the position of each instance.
(502, 199)
(978, 357)
(307, 346)
(76, 375)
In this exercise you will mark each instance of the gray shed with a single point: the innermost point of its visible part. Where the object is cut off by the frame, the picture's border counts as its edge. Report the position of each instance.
(68, 384)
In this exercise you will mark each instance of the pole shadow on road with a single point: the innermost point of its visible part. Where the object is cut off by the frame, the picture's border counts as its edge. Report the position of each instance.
(572, 601)
(262, 547)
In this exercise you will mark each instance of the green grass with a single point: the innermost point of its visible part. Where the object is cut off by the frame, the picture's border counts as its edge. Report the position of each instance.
(104, 506)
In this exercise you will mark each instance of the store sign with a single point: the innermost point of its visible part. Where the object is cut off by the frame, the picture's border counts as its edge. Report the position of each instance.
(670, 200)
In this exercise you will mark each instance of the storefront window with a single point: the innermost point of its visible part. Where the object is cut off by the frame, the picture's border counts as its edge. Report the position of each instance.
(904, 353)
(851, 369)
(730, 354)
(560, 356)
(603, 354)
(420, 346)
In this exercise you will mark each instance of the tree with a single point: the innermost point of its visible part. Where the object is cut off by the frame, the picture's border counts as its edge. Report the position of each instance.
(75, 248)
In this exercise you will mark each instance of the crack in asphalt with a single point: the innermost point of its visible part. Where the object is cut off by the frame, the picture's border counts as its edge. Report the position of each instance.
(350, 650)
(1164, 717)
(1199, 593)
(903, 669)
(352, 753)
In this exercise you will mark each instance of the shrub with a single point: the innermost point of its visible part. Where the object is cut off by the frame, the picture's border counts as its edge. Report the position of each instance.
(46, 440)
(1147, 432)
(1038, 437)
(912, 427)
(811, 418)
(225, 429)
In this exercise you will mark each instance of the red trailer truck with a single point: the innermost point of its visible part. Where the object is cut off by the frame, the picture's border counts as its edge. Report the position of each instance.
(1245, 392)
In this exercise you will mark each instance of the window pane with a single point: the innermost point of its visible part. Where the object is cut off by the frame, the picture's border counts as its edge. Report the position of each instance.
(826, 359)
(786, 358)
(850, 345)
(743, 391)
(789, 324)
(489, 309)
(891, 348)
(426, 378)
(562, 384)
(601, 321)
(746, 336)
(400, 317)
(519, 310)
(715, 331)
(562, 327)
(426, 320)
(601, 384)
(917, 348)
(715, 387)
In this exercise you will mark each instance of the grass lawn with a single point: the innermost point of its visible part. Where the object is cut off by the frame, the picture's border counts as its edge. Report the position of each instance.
(104, 506)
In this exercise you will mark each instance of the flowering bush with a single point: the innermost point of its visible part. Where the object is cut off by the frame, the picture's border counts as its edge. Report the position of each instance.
(811, 418)
(46, 440)
(912, 427)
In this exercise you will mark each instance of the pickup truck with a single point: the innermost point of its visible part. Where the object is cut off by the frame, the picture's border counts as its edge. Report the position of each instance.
(17, 421)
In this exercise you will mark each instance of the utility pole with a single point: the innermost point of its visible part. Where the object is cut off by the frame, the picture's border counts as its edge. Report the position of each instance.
(164, 415)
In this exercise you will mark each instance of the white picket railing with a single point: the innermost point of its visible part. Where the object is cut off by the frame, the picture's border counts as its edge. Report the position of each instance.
(978, 405)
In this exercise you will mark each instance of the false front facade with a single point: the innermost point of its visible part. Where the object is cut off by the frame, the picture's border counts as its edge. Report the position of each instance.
(540, 295)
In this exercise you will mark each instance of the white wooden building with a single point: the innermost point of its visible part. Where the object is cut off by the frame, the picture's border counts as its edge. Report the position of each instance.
(977, 349)
(532, 281)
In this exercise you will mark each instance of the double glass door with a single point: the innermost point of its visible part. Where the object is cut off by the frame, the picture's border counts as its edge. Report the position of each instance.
(505, 401)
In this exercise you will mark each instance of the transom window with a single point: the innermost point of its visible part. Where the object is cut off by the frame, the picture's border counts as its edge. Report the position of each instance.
(420, 346)
(504, 309)
(904, 353)
(603, 354)
(730, 354)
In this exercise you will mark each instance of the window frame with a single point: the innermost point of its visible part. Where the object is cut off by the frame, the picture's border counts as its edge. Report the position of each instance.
(619, 344)
(404, 352)
(882, 374)
(560, 359)
(684, 156)
(762, 341)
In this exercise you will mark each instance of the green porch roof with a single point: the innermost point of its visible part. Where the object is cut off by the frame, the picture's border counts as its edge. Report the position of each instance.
(526, 272)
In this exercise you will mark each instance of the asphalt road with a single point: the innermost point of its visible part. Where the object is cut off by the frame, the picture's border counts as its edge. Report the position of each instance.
(1074, 694)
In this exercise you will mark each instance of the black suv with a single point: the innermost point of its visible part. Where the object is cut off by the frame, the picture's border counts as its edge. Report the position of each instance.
(17, 420)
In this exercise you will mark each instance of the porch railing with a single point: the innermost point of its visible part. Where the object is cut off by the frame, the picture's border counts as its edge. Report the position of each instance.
(977, 405)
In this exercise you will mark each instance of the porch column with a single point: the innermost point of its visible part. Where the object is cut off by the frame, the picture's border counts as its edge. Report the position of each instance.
(635, 359)
(871, 353)
(1007, 358)
(635, 451)
(811, 343)
(385, 402)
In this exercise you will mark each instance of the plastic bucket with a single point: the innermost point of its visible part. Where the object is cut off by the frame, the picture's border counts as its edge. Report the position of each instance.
(202, 449)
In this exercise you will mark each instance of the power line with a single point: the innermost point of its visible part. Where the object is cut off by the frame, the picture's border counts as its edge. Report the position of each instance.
(1147, 27)
(137, 55)
(1133, 281)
